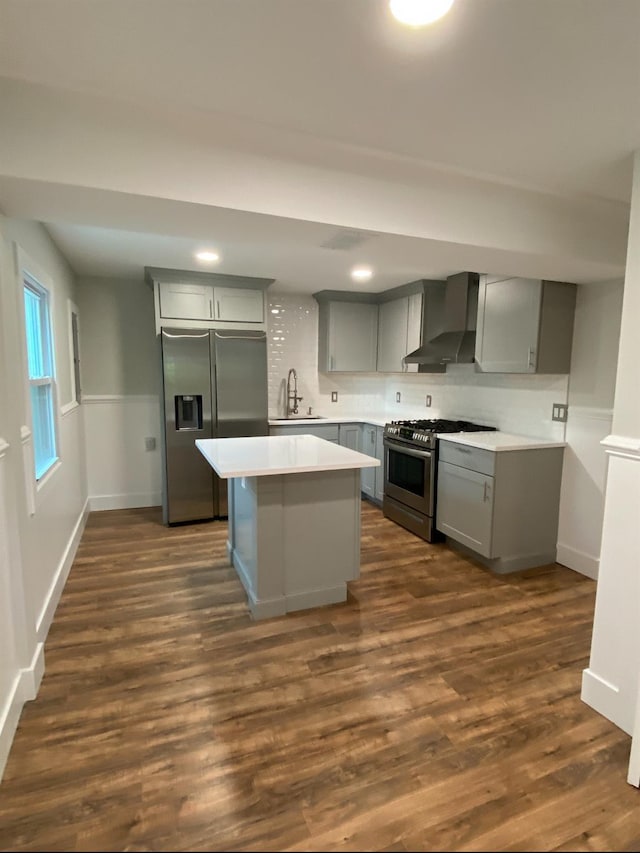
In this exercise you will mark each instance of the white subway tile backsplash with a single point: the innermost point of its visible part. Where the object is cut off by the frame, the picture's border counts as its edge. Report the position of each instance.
(512, 402)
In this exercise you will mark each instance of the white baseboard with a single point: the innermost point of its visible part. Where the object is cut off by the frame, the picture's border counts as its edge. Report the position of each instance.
(578, 561)
(25, 687)
(124, 501)
(9, 719)
(31, 676)
(605, 698)
(27, 680)
(61, 575)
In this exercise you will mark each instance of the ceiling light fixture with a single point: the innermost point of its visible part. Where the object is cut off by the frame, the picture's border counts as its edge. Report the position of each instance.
(417, 13)
(208, 256)
(361, 273)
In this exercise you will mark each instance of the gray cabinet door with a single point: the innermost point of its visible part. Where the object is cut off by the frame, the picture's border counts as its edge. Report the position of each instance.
(352, 336)
(238, 304)
(508, 324)
(465, 506)
(379, 488)
(368, 446)
(327, 431)
(414, 328)
(349, 436)
(393, 318)
(183, 301)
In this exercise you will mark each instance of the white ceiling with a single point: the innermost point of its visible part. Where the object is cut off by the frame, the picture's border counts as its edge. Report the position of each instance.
(535, 94)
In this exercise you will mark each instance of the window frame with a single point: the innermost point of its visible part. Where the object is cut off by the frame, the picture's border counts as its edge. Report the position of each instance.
(75, 376)
(29, 282)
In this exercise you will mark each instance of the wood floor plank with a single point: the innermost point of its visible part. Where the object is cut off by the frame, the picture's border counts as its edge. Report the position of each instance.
(438, 708)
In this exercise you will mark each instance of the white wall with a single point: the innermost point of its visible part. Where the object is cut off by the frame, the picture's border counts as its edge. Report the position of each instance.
(591, 391)
(40, 527)
(610, 683)
(120, 361)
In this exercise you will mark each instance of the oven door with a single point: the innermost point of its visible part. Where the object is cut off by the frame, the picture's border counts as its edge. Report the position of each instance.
(409, 475)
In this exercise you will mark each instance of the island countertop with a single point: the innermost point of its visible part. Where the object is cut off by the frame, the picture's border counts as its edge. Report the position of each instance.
(259, 456)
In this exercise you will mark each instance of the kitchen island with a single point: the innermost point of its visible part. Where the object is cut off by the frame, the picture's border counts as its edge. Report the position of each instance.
(294, 517)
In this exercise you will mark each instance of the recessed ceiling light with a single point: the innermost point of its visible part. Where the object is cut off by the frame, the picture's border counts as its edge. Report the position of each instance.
(361, 273)
(208, 256)
(417, 13)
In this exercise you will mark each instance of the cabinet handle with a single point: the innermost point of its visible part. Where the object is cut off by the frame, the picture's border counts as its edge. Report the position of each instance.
(210, 308)
(331, 362)
(487, 491)
(463, 450)
(217, 309)
(531, 358)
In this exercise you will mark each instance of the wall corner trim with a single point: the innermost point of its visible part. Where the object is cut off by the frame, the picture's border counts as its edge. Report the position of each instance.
(69, 407)
(622, 445)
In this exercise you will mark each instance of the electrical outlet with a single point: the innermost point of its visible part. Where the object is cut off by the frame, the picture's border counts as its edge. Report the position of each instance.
(428, 400)
(559, 412)
(334, 396)
(150, 443)
(397, 396)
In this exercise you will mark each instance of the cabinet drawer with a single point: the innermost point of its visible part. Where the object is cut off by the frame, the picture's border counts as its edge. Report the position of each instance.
(326, 431)
(473, 458)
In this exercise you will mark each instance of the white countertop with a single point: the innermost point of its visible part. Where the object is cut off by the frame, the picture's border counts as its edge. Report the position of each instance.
(491, 440)
(259, 456)
(496, 441)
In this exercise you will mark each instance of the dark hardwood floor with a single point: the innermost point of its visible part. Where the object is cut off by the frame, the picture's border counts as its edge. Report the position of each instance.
(437, 709)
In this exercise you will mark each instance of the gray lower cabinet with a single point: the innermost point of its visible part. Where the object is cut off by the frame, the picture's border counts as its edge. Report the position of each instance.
(327, 431)
(349, 436)
(379, 491)
(373, 478)
(501, 507)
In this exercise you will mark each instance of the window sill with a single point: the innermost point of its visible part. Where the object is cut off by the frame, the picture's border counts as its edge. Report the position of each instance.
(42, 482)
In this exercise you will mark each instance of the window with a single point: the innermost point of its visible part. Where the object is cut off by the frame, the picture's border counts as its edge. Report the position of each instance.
(74, 352)
(41, 375)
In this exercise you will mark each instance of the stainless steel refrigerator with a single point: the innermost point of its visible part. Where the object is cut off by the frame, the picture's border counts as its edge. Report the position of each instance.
(214, 386)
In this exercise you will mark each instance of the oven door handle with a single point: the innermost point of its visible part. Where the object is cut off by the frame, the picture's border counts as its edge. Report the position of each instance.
(402, 448)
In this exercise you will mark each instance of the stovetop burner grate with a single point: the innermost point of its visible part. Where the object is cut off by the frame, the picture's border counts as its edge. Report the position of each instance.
(435, 425)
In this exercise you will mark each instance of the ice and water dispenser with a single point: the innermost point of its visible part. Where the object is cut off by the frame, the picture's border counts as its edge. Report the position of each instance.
(188, 411)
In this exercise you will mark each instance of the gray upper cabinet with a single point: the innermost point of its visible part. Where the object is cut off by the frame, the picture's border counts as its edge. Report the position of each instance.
(347, 336)
(524, 325)
(399, 328)
(187, 301)
(192, 299)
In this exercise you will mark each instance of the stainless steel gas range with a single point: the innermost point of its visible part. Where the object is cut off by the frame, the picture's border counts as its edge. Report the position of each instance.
(411, 471)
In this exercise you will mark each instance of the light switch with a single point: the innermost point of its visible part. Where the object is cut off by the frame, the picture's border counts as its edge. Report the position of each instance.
(150, 443)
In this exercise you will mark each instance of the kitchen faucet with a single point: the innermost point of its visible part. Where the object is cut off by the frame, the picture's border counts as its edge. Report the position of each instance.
(292, 393)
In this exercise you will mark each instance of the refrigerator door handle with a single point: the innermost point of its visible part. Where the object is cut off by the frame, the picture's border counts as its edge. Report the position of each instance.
(229, 336)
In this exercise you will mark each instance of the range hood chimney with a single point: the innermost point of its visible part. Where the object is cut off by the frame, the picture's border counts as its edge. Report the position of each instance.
(456, 341)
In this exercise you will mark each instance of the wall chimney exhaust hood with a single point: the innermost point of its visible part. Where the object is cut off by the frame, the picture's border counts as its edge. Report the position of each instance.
(455, 343)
